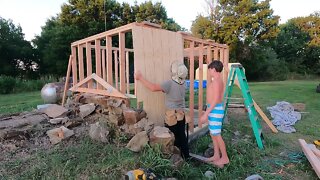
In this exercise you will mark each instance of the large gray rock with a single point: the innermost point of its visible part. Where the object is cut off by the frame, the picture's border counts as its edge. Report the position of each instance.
(164, 137)
(139, 141)
(86, 109)
(99, 132)
(54, 111)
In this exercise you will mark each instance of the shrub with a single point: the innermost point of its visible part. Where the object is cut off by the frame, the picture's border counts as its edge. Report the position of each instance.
(7, 84)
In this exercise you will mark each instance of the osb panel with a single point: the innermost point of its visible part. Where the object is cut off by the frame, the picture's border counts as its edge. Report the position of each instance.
(155, 50)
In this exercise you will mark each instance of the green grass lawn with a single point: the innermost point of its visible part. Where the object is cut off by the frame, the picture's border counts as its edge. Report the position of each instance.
(282, 157)
(12, 103)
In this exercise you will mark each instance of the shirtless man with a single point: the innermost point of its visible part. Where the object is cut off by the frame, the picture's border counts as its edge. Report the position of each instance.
(215, 112)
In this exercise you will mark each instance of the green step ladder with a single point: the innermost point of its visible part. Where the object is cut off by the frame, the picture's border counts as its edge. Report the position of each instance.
(237, 71)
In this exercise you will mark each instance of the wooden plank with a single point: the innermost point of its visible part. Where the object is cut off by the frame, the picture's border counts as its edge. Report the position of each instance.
(262, 114)
(200, 158)
(264, 117)
(215, 53)
(80, 58)
(225, 65)
(149, 24)
(127, 72)
(103, 58)
(66, 84)
(122, 62)
(74, 65)
(109, 59)
(89, 63)
(200, 95)
(314, 149)
(209, 60)
(125, 28)
(98, 60)
(138, 59)
(116, 68)
(198, 40)
(314, 161)
(191, 95)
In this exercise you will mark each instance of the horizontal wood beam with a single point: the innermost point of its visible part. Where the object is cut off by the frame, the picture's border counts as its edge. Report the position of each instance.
(125, 28)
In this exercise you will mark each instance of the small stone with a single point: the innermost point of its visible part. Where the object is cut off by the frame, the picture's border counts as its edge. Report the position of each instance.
(86, 109)
(58, 120)
(138, 142)
(58, 134)
(209, 174)
(237, 133)
(210, 145)
(208, 152)
(11, 147)
(114, 102)
(254, 177)
(176, 160)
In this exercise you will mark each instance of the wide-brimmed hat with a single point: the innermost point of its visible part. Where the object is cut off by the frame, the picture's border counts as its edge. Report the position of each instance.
(179, 72)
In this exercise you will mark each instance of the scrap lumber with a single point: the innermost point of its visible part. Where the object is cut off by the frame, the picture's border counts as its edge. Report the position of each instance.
(314, 150)
(313, 159)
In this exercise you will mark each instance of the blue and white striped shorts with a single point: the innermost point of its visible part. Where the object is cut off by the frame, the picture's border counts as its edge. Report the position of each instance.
(215, 119)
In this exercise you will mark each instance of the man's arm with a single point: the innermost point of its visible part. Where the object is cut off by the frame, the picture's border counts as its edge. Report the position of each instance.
(151, 86)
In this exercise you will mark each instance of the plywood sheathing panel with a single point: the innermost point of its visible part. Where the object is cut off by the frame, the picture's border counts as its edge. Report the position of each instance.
(155, 50)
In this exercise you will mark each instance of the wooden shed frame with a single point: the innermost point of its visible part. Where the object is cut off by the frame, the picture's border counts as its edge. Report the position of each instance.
(154, 49)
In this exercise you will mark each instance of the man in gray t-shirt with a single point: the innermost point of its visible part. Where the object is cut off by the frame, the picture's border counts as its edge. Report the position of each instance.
(174, 90)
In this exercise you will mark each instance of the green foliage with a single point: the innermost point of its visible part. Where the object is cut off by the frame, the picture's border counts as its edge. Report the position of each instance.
(10, 84)
(18, 58)
(293, 45)
(79, 19)
(7, 84)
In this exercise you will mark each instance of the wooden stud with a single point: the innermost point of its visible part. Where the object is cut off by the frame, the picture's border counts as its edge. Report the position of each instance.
(109, 59)
(191, 95)
(103, 58)
(98, 60)
(122, 62)
(116, 67)
(200, 95)
(74, 65)
(66, 85)
(127, 72)
(89, 63)
(209, 60)
(80, 58)
(215, 53)
(225, 64)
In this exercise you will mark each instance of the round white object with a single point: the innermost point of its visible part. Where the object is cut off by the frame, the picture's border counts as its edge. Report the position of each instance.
(49, 93)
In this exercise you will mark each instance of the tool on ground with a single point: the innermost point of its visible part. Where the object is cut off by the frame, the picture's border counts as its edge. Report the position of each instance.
(317, 142)
(237, 71)
(140, 174)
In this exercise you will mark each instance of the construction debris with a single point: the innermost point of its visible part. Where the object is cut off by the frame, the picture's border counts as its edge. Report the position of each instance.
(58, 134)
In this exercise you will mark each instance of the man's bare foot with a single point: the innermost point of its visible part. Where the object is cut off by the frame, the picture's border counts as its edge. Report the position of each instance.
(221, 161)
(215, 165)
(213, 158)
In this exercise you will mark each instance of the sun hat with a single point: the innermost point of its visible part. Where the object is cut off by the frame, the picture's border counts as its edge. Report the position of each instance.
(179, 72)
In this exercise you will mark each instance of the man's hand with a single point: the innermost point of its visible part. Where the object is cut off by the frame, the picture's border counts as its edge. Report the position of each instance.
(203, 118)
(137, 75)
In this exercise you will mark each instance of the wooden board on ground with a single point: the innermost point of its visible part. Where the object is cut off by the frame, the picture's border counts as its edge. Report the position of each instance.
(312, 158)
(199, 158)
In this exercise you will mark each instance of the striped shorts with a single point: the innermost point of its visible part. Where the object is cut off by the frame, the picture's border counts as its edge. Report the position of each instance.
(215, 119)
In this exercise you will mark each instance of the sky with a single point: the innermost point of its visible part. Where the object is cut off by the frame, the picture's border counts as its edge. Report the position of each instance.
(32, 14)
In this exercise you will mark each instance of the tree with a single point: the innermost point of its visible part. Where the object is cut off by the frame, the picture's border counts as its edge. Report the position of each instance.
(298, 47)
(82, 18)
(18, 57)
